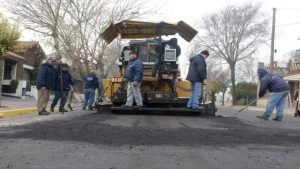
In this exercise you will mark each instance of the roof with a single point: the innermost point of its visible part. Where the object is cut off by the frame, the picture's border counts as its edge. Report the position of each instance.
(14, 55)
(23, 52)
(27, 44)
(295, 77)
(140, 30)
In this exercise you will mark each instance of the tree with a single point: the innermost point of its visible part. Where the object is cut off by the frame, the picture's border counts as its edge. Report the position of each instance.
(246, 92)
(89, 20)
(234, 34)
(9, 34)
(246, 70)
(294, 55)
(42, 16)
(75, 27)
(218, 79)
(224, 82)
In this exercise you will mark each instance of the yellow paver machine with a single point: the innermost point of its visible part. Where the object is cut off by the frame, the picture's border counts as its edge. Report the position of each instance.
(162, 89)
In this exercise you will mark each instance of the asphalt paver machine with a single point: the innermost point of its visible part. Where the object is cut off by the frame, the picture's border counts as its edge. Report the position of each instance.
(164, 91)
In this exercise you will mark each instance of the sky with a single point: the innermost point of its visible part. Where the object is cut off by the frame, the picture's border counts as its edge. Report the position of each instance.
(191, 11)
(287, 20)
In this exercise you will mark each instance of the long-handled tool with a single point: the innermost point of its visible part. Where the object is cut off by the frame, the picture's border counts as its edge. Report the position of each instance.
(297, 113)
(253, 101)
(61, 86)
(102, 94)
(202, 94)
(296, 109)
(71, 98)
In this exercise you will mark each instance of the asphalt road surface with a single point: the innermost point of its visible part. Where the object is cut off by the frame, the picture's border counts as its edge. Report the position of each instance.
(86, 140)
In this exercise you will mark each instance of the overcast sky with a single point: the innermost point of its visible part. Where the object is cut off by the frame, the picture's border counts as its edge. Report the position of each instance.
(287, 20)
(191, 11)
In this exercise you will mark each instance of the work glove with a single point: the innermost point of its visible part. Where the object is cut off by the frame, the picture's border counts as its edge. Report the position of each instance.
(135, 84)
(204, 82)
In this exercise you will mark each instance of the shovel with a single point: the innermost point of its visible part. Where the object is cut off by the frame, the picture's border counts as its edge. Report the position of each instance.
(245, 107)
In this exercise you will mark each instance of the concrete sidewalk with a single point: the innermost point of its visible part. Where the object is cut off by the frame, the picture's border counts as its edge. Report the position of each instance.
(15, 103)
(15, 106)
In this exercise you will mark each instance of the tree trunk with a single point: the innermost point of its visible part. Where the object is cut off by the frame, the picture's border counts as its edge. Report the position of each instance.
(1, 73)
(100, 66)
(223, 97)
(56, 44)
(233, 89)
(87, 66)
(82, 74)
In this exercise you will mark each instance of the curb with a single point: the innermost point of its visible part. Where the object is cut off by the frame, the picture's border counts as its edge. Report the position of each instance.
(15, 112)
(20, 111)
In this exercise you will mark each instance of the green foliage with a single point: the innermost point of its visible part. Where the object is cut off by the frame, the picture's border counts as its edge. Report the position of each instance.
(9, 34)
(245, 92)
(14, 84)
(214, 86)
(33, 73)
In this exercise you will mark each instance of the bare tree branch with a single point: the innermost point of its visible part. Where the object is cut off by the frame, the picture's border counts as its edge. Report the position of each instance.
(75, 27)
(234, 34)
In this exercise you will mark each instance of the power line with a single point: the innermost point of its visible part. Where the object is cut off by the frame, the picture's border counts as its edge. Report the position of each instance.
(288, 24)
(289, 9)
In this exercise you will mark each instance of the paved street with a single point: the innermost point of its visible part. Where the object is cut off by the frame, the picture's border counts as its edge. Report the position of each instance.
(83, 139)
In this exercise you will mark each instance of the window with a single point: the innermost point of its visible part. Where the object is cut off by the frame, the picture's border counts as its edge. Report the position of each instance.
(170, 55)
(7, 70)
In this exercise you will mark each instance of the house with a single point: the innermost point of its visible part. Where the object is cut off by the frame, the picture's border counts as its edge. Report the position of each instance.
(22, 65)
(293, 77)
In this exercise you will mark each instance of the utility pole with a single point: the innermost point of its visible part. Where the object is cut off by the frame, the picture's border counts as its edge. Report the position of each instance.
(272, 41)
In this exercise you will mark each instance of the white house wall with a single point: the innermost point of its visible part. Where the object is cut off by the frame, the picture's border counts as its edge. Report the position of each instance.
(22, 84)
(28, 67)
(6, 82)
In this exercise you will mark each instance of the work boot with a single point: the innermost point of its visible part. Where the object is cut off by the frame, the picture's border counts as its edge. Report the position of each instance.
(62, 109)
(297, 113)
(126, 106)
(138, 106)
(44, 112)
(277, 119)
(196, 108)
(52, 109)
(264, 117)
